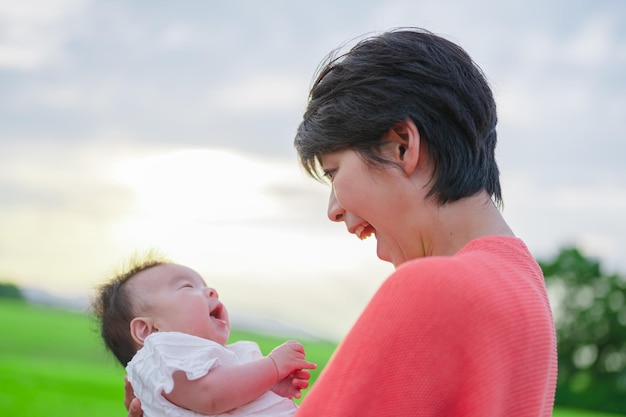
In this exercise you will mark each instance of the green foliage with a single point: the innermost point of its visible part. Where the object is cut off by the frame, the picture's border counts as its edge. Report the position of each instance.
(8, 290)
(572, 412)
(590, 314)
(52, 362)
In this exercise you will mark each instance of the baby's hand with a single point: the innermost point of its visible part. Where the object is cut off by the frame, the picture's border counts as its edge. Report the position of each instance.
(289, 357)
(291, 385)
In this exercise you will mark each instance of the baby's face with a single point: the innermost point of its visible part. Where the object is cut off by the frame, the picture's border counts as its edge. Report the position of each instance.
(180, 301)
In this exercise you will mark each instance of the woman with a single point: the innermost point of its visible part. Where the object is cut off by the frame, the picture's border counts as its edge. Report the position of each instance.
(404, 127)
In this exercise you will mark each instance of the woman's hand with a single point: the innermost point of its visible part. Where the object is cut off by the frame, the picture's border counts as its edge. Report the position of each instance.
(132, 403)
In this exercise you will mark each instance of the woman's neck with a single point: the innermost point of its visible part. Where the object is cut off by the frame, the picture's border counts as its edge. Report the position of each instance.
(465, 220)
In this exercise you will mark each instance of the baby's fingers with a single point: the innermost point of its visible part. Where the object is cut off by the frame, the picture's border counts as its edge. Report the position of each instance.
(301, 374)
(300, 383)
(308, 365)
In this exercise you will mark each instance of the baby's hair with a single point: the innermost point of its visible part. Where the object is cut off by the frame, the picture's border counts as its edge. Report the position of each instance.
(113, 304)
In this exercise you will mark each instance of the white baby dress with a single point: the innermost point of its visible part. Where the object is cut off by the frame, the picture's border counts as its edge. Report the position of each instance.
(151, 369)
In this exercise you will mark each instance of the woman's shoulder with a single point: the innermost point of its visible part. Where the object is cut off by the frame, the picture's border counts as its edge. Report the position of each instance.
(484, 259)
(488, 278)
(433, 280)
(433, 271)
(468, 280)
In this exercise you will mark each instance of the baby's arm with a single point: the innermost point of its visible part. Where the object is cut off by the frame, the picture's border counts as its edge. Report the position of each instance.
(228, 387)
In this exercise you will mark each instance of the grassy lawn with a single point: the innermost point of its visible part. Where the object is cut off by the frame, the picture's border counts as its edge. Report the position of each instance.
(52, 363)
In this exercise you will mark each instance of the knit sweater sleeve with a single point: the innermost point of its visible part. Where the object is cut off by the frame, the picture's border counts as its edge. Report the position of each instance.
(435, 340)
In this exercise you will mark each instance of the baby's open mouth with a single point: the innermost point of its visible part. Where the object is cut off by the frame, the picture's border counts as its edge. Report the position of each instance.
(216, 313)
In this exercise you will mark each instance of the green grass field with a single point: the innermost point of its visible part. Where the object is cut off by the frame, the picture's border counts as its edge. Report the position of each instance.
(52, 363)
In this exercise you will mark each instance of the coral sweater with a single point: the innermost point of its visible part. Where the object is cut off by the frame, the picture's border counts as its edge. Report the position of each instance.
(466, 335)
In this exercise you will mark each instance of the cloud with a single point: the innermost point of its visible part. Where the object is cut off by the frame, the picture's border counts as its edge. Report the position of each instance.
(261, 94)
(36, 32)
(125, 125)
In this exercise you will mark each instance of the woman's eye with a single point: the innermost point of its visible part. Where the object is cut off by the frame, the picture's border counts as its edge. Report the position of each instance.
(329, 174)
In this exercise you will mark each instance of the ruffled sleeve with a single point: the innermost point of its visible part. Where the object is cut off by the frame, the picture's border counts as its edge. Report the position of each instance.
(164, 353)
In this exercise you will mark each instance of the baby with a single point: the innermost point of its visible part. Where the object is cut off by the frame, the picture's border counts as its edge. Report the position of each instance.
(170, 331)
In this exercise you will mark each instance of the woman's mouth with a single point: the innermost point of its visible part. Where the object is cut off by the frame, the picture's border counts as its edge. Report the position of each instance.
(363, 231)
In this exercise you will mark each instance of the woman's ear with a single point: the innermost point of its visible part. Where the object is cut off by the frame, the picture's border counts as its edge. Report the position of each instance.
(404, 140)
(140, 328)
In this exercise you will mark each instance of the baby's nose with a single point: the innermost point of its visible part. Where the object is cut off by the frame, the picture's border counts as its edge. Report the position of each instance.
(211, 292)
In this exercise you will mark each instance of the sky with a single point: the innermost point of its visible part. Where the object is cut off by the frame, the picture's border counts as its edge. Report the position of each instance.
(130, 125)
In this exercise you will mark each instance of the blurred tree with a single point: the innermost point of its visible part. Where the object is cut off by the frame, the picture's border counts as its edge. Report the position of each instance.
(10, 291)
(590, 314)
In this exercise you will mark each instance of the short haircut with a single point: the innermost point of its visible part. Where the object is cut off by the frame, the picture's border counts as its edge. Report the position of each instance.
(114, 306)
(406, 73)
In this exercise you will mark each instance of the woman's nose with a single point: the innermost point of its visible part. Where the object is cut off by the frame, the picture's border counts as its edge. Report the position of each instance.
(211, 292)
(336, 213)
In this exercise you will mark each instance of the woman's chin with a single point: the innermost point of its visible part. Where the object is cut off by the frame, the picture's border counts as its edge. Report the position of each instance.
(382, 254)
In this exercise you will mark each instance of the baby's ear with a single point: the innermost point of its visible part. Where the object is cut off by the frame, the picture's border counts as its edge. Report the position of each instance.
(140, 328)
